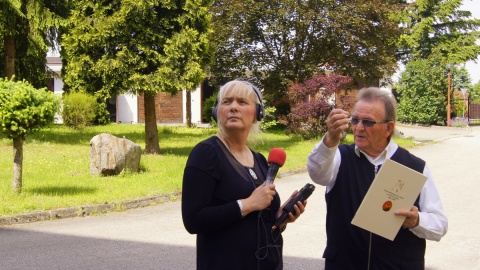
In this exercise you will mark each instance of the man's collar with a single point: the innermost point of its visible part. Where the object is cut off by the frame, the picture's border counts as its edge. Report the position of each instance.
(388, 151)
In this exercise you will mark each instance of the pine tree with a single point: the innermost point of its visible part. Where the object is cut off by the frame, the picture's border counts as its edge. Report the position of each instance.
(438, 24)
(28, 28)
(137, 46)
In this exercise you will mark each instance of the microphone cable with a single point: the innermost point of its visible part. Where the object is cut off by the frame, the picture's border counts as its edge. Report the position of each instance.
(263, 230)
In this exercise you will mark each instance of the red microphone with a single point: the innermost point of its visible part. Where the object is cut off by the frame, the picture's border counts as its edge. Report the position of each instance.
(276, 159)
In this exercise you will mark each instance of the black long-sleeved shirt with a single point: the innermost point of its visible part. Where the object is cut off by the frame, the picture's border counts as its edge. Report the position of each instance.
(213, 181)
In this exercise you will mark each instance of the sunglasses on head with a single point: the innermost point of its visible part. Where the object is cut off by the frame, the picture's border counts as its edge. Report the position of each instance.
(366, 122)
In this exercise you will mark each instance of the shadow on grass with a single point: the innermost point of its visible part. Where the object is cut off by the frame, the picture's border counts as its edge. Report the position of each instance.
(176, 151)
(60, 191)
(183, 137)
(60, 134)
(177, 141)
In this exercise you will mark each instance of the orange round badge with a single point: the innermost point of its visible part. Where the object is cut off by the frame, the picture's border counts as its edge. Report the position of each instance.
(387, 206)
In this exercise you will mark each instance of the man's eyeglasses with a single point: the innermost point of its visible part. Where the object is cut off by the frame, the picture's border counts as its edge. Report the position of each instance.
(366, 122)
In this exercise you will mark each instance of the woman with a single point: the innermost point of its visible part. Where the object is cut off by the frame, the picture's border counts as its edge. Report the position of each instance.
(224, 198)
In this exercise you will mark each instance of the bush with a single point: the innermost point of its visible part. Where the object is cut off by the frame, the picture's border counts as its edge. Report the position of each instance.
(459, 122)
(207, 107)
(270, 120)
(24, 109)
(79, 110)
(102, 115)
(312, 102)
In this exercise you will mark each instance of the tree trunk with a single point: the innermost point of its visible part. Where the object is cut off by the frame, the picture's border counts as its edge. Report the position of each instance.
(152, 145)
(188, 107)
(17, 164)
(9, 56)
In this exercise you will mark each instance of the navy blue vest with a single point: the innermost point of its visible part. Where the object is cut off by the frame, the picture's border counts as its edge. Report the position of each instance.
(348, 245)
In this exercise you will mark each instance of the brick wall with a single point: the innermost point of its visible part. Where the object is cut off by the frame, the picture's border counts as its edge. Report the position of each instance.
(168, 108)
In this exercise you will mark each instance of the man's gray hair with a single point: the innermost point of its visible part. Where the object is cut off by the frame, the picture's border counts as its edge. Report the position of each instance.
(384, 95)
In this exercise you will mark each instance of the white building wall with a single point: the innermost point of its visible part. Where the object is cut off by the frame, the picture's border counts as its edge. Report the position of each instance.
(127, 105)
(196, 102)
(58, 91)
(58, 86)
(127, 108)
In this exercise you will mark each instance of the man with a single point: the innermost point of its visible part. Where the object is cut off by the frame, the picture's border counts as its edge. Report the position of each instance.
(347, 171)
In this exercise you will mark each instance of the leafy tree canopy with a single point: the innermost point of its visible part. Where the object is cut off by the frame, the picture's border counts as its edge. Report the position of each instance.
(312, 102)
(284, 41)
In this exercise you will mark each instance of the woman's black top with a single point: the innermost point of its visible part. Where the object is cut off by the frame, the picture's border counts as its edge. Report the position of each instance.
(213, 181)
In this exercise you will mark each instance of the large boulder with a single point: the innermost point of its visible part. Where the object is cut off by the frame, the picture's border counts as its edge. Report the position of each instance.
(110, 155)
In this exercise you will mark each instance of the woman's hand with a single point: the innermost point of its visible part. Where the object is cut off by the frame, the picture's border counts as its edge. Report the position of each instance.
(299, 209)
(260, 199)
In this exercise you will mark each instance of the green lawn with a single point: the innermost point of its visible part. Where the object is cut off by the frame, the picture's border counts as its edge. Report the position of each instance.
(56, 166)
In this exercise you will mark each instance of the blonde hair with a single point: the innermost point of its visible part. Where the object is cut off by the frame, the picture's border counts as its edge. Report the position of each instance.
(242, 89)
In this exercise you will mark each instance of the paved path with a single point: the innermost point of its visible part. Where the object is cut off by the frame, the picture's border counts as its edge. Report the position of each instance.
(154, 237)
(434, 133)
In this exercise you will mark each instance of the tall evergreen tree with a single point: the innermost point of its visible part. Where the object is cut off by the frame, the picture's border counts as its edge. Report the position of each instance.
(434, 29)
(27, 31)
(461, 78)
(137, 46)
(423, 90)
(474, 93)
(440, 24)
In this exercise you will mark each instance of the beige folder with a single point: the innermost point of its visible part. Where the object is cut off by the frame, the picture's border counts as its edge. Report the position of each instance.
(394, 188)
